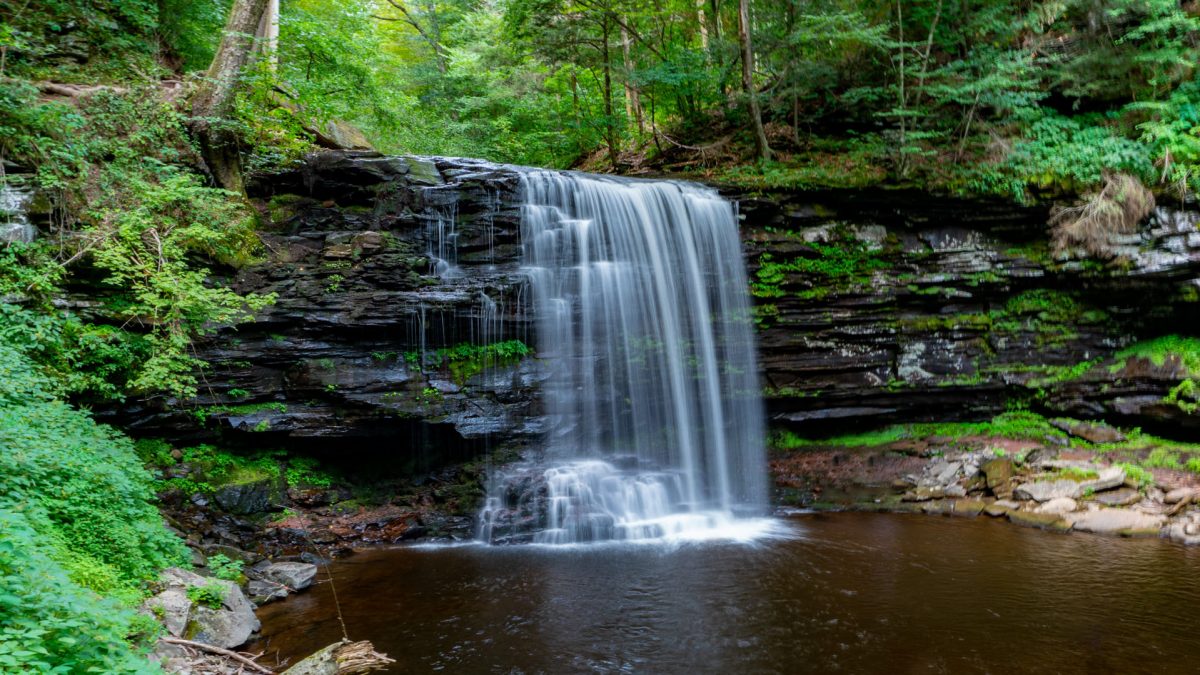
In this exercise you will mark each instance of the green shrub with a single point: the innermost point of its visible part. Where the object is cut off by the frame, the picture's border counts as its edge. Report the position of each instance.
(224, 568)
(306, 471)
(1138, 475)
(76, 520)
(210, 595)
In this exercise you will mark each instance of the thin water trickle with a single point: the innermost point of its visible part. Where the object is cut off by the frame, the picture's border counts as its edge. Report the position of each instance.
(643, 321)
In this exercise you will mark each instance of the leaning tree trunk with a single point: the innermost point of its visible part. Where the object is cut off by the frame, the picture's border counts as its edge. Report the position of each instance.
(212, 105)
(760, 134)
(268, 34)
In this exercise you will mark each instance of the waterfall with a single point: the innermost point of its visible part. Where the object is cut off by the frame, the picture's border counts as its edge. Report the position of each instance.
(645, 327)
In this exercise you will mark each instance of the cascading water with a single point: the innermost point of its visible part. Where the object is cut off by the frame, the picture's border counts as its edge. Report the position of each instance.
(644, 323)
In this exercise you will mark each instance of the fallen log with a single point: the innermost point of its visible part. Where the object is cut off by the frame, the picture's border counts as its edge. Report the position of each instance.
(342, 658)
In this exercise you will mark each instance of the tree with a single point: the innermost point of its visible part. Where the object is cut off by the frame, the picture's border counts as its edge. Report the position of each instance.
(760, 134)
(213, 102)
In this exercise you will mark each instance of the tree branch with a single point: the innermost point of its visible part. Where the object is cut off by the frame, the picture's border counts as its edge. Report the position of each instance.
(217, 650)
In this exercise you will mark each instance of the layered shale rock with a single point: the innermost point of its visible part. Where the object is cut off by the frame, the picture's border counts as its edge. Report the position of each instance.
(902, 307)
(398, 315)
(402, 314)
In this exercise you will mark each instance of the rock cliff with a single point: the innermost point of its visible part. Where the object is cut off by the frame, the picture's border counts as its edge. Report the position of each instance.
(400, 318)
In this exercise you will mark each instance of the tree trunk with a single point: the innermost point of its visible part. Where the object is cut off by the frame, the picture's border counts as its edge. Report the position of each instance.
(213, 102)
(902, 157)
(268, 34)
(610, 125)
(760, 134)
(633, 99)
(702, 24)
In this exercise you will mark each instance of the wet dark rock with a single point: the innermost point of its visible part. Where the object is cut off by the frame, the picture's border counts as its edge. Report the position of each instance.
(233, 553)
(912, 307)
(262, 592)
(951, 308)
(353, 238)
(245, 498)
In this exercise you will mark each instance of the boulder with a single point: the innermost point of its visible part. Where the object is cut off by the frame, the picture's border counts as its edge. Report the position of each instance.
(1090, 431)
(1044, 521)
(231, 552)
(999, 472)
(923, 494)
(968, 507)
(1184, 533)
(228, 626)
(223, 627)
(1058, 506)
(339, 135)
(1109, 478)
(262, 592)
(1122, 497)
(294, 575)
(172, 608)
(245, 498)
(1044, 491)
(1117, 521)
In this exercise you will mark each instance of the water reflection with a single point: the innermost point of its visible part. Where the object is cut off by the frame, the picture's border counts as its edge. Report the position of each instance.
(854, 593)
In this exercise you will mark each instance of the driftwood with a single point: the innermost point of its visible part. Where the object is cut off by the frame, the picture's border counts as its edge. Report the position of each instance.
(218, 650)
(342, 658)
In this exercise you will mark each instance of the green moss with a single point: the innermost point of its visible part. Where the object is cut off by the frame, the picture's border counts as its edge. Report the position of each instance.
(466, 360)
(1158, 350)
(1137, 474)
(839, 266)
(1015, 425)
(1078, 474)
(938, 322)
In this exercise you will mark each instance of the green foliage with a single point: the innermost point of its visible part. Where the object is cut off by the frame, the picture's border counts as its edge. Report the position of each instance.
(1137, 474)
(140, 220)
(465, 360)
(213, 467)
(307, 472)
(66, 37)
(75, 521)
(210, 595)
(1163, 458)
(1019, 424)
(1185, 349)
(834, 265)
(1077, 474)
(224, 568)
(48, 622)
(1070, 154)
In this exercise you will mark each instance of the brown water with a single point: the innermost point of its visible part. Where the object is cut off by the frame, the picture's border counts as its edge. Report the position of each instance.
(852, 593)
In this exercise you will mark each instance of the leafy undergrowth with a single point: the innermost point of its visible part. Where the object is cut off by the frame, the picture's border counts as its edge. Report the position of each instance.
(79, 537)
(212, 467)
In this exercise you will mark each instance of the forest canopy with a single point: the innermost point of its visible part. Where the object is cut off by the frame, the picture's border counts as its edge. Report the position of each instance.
(1016, 98)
